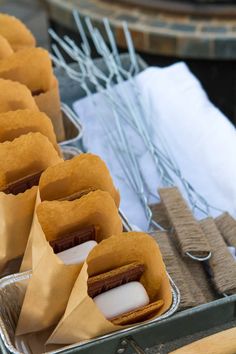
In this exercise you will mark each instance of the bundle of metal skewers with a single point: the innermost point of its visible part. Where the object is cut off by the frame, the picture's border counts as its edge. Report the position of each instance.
(130, 113)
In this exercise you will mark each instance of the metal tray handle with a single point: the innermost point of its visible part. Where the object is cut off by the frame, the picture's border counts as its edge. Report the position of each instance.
(127, 342)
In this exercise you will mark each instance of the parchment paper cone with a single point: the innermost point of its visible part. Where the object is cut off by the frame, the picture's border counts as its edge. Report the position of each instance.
(23, 121)
(49, 102)
(16, 211)
(71, 179)
(17, 34)
(33, 68)
(227, 226)
(75, 177)
(51, 282)
(5, 48)
(14, 96)
(82, 319)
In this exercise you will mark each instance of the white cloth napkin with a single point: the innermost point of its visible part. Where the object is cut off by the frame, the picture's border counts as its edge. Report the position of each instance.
(201, 139)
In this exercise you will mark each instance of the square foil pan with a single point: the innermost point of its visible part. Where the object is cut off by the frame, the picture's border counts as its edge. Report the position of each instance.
(72, 126)
(11, 299)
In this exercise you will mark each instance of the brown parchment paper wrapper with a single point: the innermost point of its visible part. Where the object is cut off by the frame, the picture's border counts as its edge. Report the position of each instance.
(49, 103)
(84, 172)
(17, 34)
(82, 319)
(23, 156)
(20, 122)
(51, 283)
(31, 67)
(14, 95)
(16, 212)
(5, 48)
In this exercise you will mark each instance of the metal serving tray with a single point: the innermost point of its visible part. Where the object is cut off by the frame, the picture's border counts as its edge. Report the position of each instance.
(159, 336)
(170, 333)
(11, 301)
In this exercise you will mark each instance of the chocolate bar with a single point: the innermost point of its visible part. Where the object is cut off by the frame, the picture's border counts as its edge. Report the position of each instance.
(73, 239)
(77, 195)
(37, 92)
(21, 185)
(114, 278)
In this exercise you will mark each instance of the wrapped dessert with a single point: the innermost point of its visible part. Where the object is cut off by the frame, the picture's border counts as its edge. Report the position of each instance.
(14, 96)
(33, 68)
(16, 33)
(70, 180)
(63, 234)
(123, 282)
(73, 178)
(22, 162)
(23, 121)
(5, 48)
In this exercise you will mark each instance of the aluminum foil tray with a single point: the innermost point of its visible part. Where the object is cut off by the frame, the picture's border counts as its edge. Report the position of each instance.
(11, 298)
(72, 126)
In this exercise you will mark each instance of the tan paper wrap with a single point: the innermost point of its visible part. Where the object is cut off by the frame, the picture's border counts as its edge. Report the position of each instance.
(78, 176)
(23, 156)
(82, 319)
(49, 102)
(5, 48)
(84, 172)
(17, 34)
(31, 67)
(51, 283)
(20, 122)
(14, 95)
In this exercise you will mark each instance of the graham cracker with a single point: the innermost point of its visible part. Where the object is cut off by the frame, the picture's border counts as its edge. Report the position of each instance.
(113, 278)
(77, 195)
(138, 315)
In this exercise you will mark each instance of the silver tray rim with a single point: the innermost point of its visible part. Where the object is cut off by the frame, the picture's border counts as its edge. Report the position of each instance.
(74, 119)
(70, 149)
(16, 278)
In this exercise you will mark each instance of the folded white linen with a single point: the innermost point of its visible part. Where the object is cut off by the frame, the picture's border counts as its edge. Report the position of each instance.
(200, 138)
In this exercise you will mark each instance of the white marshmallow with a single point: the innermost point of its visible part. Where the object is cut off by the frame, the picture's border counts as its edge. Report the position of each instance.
(77, 254)
(122, 299)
